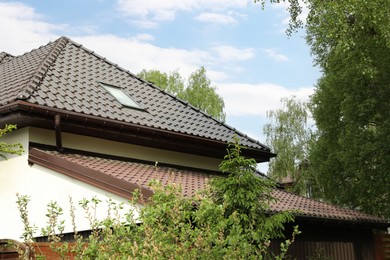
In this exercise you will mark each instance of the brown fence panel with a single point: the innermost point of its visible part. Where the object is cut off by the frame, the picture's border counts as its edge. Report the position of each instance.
(382, 246)
(335, 250)
(9, 249)
(320, 250)
(44, 249)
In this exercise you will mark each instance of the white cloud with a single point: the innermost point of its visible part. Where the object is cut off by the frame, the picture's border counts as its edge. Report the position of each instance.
(158, 10)
(215, 75)
(271, 53)
(230, 53)
(135, 55)
(155, 9)
(18, 11)
(26, 30)
(22, 28)
(88, 29)
(144, 37)
(216, 18)
(145, 24)
(256, 99)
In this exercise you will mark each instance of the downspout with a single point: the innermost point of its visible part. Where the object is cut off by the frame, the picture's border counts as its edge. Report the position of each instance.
(57, 128)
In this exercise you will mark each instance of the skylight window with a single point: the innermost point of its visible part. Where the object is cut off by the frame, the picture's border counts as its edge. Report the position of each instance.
(121, 96)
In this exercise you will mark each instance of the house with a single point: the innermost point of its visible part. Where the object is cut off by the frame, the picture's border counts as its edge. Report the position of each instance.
(91, 128)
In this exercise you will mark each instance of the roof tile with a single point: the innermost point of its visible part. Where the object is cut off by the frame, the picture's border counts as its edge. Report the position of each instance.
(66, 70)
(192, 180)
(4, 57)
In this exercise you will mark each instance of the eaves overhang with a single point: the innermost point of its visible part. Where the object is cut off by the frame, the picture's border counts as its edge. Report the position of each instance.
(95, 178)
(361, 223)
(25, 114)
(121, 176)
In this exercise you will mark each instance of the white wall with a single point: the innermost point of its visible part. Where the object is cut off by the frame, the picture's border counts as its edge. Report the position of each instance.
(126, 150)
(42, 185)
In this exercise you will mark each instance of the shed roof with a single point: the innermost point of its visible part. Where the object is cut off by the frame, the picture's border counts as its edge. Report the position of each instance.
(65, 76)
(122, 176)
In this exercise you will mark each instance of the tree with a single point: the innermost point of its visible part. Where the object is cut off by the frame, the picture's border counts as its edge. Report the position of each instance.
(199, 92)
(289, 136)
(9, 148)
(172, 83)
(230, 220)
(350, 42)
(245, 199)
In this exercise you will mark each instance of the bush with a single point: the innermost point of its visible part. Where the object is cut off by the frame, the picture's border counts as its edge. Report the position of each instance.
(229, 220)
(9, 148)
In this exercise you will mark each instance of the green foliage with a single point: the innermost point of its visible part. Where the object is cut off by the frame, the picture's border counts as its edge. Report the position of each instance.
(9, 148)
(201, 94)
(245, 199)
(198, 92)
(28, 228)
(289, 136)
(229, 220)
(295, 8)
(350, 42)
(172, 83)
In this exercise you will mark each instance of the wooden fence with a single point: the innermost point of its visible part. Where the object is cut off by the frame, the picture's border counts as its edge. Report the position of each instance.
(382, 246)
(299, 250)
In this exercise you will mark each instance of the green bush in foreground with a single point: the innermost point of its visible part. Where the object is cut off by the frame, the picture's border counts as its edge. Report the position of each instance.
(229, 220)
(9, 148)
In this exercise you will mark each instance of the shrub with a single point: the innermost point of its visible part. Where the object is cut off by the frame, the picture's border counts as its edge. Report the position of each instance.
(230, 219)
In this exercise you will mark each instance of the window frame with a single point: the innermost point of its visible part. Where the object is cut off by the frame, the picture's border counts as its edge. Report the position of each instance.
(121, 96)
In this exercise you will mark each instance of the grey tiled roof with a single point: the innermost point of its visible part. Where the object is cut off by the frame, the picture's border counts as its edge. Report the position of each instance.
(4, 57)
(64, 75)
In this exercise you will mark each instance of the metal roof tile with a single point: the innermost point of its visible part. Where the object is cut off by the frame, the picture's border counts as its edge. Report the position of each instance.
(66, 70)
(192, 180)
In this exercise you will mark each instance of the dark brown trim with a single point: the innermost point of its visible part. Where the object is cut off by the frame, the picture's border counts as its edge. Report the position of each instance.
(92, 177)
(28, 114)
(356, 223)
(57, 128)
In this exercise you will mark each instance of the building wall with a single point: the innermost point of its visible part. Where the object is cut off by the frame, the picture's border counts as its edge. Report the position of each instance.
(97, 145)
(42, 186)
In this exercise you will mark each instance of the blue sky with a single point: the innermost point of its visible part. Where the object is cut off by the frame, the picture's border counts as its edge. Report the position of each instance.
(245, 50)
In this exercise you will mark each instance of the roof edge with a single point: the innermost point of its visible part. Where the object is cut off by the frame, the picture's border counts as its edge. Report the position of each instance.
(93, 121)
(92, 177)
(350, 222)
(39, 74)
(378, 220)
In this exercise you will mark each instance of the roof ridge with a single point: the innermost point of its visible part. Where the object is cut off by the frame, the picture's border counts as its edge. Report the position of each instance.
(5, 56)
(39, 74)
